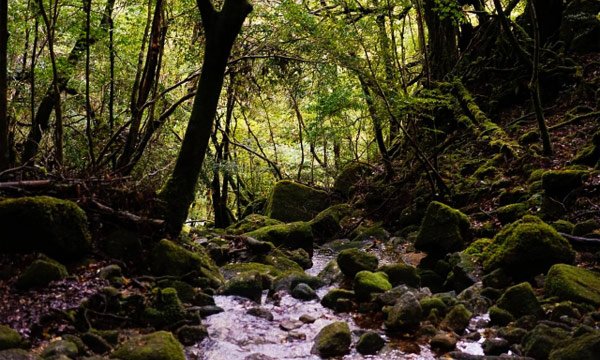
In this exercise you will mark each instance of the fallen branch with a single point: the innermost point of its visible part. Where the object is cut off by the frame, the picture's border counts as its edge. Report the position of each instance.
(26, 184)
(574, 119)
(126, 215)
(580, 240)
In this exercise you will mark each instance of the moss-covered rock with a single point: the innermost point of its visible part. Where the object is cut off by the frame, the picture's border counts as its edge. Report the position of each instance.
(304, 292)
(300, 257)
(572, 283)
(477, 248)
(169, 258)
(559, 183)
(159, 345)
(369, 343)
(290, 202)
(563, 226)
(9, 338)
(513, 212)
(350, 175)
(60, 347)
(297, 235)
(590, 155)
(330, 299)
(405, 315)
(250, 223)
(55, 227)
(367, 283)
(586, 347)
(255, 207)
(539, 342)
(443, 230)
(333, 340)
(17, 354)
(233, 270)
(500, 317)
(351, 261)
(527, 247)
(40, 273)
(248, 285)
(431, 303)
(519, 300)
(457, 319)
(327, 223)
(166, 309)
(402, 274)
(189, 335)
(586, 227)
(185, 291)
(288, 281)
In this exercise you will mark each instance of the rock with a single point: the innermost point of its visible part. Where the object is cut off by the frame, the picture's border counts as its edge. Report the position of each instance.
(586, 227)
(402, 274)
(110, 271)
(526, 248)
(572, 283)
(40, 273)
(122, 244)
(296, 235)
(443, 230)
(349, 176)
(519, 300)
(289, 325)
(563, 226)
(231, 271)
(351, 261)
(586, 347)
(288, 282)
(565, 308)
(255, 207)
(495, 346)
(300, 257)
(433, 303)
(539, 342)
(307, 319)
(250, 223)
(96, 343)
(327, 223)
(17, 354)
(590, 155)
(189, 335)
(166, 309)
(406, 314)
(333, 340)
(500, 316)
(169, 258)
(375, 232)
(60, 347)
(443, 342)
(457, 319)
(331, 299)
(331, 273)
(580, 27)
(185, 292)
(208, 310)
(290, 201)
(248, 285)
(9, 338)
(304, 292)
(370, 343)
(431, 280)
(512, 335)
(497, 279)
(261, 313)
(367, 283)
(511, 213)
(160, 345)
(559, 183)
(57, 228)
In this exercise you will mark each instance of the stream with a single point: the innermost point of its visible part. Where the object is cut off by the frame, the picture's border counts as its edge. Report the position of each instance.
(236, 335)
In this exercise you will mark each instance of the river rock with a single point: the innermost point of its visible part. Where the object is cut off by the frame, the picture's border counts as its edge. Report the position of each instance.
(290, 201)
(333, 340)
(304, 292)
(406, 314)
(443, 230)
(572, 283)
(160, 345)
(352, 261)
(367, 283)
(370, 343)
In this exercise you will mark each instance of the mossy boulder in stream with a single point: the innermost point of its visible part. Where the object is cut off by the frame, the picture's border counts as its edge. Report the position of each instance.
(55, 227)
(526, 248)
(290, 202)
(9, 338)
(160, 345)
(40, 273)
(248, 285)
(327, 223)
(402, 274)
(405, 315)
(443, 230)
(333, 340)
(539, 342)
(586, 347)
(572, 283)
(332, 298)
(367, 283)
(250, 223)
(370, 343)
(166, 308)
(352, 261)
(519, 300)
(296, 235)
(457, 319)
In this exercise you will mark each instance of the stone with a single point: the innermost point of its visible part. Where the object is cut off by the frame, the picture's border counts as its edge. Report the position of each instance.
(367, 283)
(443, 230)
(40, 273)
(572, 283)
(330, 300)
(405, 315)
(248, 285)
(289, 325)
(166, 308)
(307, 319)
(402, 274)
(539, 342)
(296, 235)
(457, 319)
(443, 342)
(327, 223)
(500, 317)
(190, 335)
(60, 347)
(17, 354)
(290, 202)
(350, 176)
(433, 303)
(370, 343)
(351, 261)
(520, 300)
(250, 223)
(110, 271)
(495, 346)
(559, 183)
(261, 313)
(160, 345)
(9, 338)
(96, 343)
(304, 292)
(511, 213)
(333, 340)
(586, 347)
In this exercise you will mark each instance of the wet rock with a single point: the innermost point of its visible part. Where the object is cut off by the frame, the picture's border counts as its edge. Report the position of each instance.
(296, 235)
(166, 309)
(96, 343)
(9, 338)
(586, 347)
(497, 279)
(519, 300)
(431, 280)
(331, 273)
(331, 299)
(208, 310)
(443, 230)
(391, 296)
(457, 319)
(406, 314)
(513, 335)
(289, 325)
(495, 346)
(433, 303)
(296, 335)
(185, 292)
(202, 299)
(110, 271)
(565, 308)
(40, 273)
(258, 356)
(290, 201)
(60, 347)
(541, 340)
(307, 319)
(367, 283)
(444, 342)
(352, 261)
(248, 285)
(250, 223)
(288, 282)
(189, 335)
(327, 223)
(159, 345)
(333, 340)
(300, 257)
(369, 343)
(573, 283)
(17, 354)
(500, 316)
(261, 313)
(304, 292)
(402, 274)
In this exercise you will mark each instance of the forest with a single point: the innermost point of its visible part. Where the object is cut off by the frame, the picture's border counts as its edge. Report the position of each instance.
(299, 179)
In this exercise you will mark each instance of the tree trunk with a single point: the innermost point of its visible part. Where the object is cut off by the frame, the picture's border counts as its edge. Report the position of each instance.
(221, 28)
(549, 18)
(442, 42)
(4, 121)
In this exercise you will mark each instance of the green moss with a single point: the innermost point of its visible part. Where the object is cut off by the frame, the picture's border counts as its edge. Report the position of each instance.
(280, 261)
(289, 281)
(443, 230)
(55, 227)
(41, 273)
(333, 340)
(300, 257)
(586, 227)
(539, 342)
(519, 300)
(559, 183)
(159, 345)
(477, 248)
(563, 226)
(351, 261)
(327, 223)
(9, 338)
(367, 283)
(572, 283)
(485, 171)
(250, 223)
(349, 176)
(586, 347)
(232, 270)
(499, 316)
(248, 285)
(166, 308)
(513, 212)
(399, 274)
(185, 291)
(60, 349)
(536, 175)
(457, 319)
(527, 247)
(369, 343)
(433, 303)
(297, 235)
(331, 298)
(290, 201)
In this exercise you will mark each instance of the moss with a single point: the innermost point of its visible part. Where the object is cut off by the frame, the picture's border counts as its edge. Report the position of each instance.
(536, 175)
(190, 335)
(9, 338)
(169, 258)
(290, 201)
(529, 137)
(405, 315)
(499, 316)
(289, 281)
(399, 274)
(166, 308)
(586, 227)
(443, 230)
(159, 345)
(185, 291)
(59, 348)
(41, 273)
(333, 340)
(350, 176)
(559, 183)
(250, 223)
(519, 300)
(527, 247)
(297, 235)
(55, 227)
(457, 319)
(367, 283)
(248, 285)
(485, 171)
(330, 299)
(563, 226)
(433, 303)
(280, 261)
(572, 283)
(232, 270)
(513, 212)
(300, 257)
(586, 347)
(372, 232)
(327, 223)
(590, 155)
(369, 343)
(539, 342)
(351, 261)
(477, 248)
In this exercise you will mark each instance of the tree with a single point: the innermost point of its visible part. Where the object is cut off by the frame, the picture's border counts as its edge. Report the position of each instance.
(221, 29)
(442, 40)
(4, 121)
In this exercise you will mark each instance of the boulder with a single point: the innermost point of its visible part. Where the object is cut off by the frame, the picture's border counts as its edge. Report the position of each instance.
(539, 342)
(511, 213)
(159, 345)
(9, 338)
(572, 283)
(55, 227)
(17, 354)
(350, 176)
(40, 273)
(327, 223)
(499, 316)
(559, 183)
(303, 291)
(433, 303)
(60, 347)
(519, 300)
(333, 340)
(352, 261)
(457, 319)
(369, 343)
(402, 274)
(331, 299)
(526, 248)
(248, 285)
(443, 230)
(590, 155)
(290, 202)
(296, 235)
(586, 347)
(250, 223)
(443, 342)
(190, 335)
(405, 315)
(367, 283)
(166, 309)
